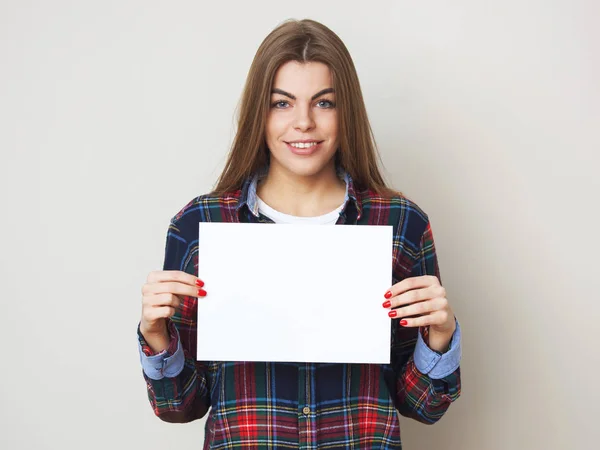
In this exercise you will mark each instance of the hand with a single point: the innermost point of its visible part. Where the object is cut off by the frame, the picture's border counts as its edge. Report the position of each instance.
(425, 298)
(161, 298)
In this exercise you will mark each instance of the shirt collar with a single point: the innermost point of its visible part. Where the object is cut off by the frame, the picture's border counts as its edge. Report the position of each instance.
(249, 196)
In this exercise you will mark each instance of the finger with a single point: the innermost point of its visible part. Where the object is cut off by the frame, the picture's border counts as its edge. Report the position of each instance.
(174, 287)
(153, 301)
(411, 283)
(420, 308)
(161, 276)
(161, 312)
(416, 295)
(422, 321)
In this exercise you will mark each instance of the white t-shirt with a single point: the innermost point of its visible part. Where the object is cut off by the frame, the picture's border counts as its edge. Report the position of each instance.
(278, 217)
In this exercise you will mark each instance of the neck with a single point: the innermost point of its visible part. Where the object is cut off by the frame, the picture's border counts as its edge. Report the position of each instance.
(303, 196)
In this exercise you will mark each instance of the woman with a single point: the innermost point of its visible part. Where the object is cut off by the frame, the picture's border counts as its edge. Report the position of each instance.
(303, 153)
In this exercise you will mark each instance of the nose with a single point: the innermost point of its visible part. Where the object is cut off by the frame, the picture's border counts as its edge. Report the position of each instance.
(303, 121)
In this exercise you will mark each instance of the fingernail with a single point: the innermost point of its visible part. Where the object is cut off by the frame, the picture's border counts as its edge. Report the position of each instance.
(403, 322)
(392, 313)
(199, 282)
(201, 292)
(388, 294)
(387, 304)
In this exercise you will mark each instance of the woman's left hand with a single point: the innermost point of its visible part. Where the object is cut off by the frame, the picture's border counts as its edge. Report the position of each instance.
(425, 298)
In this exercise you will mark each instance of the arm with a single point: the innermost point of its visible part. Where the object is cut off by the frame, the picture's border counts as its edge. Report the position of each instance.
(178, 386)
(426, 394)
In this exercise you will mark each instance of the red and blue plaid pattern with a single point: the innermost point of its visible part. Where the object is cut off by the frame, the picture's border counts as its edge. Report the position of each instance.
(301, 405)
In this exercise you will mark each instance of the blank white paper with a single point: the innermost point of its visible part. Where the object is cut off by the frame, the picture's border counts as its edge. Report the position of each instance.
(294, 293)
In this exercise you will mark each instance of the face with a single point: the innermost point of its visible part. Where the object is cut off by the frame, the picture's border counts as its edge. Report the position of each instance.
(302, 123)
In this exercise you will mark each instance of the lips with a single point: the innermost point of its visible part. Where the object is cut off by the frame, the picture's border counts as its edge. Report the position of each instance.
(304, 150)
(304, 141)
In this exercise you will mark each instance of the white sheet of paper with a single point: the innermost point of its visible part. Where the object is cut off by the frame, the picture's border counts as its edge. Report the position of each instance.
(294, 293)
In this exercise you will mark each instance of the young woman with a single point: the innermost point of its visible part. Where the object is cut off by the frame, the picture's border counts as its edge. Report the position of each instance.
(303, 153)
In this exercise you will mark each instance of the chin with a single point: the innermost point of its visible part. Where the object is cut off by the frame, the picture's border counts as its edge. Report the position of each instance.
(309, 167)
(304, 166)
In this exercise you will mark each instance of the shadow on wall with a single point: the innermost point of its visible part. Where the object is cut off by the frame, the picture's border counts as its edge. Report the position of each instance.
(489, 264)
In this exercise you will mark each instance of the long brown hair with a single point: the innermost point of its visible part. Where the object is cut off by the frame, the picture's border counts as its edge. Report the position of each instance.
(303, 41)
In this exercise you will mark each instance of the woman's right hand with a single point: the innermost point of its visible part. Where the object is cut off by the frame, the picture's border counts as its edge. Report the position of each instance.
(160, 299)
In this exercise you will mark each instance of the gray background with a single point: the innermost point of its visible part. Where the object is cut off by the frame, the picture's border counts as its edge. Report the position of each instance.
(114, 114)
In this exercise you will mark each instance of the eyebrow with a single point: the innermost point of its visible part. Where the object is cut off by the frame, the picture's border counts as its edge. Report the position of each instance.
(317, 95)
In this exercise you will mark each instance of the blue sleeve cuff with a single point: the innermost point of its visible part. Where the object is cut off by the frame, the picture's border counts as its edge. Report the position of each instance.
(434, 364)
(161, 365)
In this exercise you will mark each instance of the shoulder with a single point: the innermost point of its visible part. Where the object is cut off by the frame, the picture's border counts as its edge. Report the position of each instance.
(394, 208)
(205, 208)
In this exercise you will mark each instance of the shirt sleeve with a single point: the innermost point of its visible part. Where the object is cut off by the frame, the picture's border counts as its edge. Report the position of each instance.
(178, 385)
(168, 363)
(419, 395)
(438, 365)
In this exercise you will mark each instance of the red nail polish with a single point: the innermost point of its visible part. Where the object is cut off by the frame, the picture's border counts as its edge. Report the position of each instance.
(388, 294)
(199, 283)
(392, 313)
(201, 292)
(403, 322)
(387, 304)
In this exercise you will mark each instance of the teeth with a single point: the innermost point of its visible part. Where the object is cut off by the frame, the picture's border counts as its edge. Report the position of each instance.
(302, 144)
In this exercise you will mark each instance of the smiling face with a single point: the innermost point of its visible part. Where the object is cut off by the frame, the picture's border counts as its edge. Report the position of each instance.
(302, 124)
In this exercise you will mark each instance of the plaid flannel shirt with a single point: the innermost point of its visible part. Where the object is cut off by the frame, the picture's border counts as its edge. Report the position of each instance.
(300, 405)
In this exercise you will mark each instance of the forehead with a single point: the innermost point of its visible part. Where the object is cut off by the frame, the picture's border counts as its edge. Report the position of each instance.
(303, 78)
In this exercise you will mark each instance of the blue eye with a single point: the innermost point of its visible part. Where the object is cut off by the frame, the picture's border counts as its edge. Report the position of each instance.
(327, 104)
(280, 104)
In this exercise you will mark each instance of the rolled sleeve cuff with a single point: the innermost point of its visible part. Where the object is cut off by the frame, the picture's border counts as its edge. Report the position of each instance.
(165, 363)
(438, 365)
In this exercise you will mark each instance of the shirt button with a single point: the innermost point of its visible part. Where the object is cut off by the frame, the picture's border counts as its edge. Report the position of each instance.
(306, 410)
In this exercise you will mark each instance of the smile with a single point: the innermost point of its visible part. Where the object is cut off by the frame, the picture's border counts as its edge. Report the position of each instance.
(305, 148)
(304, 144)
